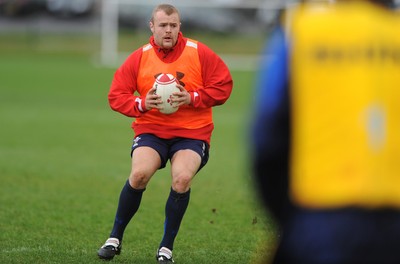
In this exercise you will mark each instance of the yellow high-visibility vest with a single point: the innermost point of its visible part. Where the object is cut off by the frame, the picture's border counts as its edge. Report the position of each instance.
(345, 97)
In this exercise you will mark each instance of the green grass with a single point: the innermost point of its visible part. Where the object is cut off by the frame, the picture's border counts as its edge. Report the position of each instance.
(229, 43)
(64, 157)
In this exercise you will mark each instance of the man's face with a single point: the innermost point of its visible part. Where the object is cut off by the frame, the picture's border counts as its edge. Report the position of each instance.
(165, 29)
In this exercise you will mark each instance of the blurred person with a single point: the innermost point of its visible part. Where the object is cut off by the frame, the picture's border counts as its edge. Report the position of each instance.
(182, 137)
(326, 133)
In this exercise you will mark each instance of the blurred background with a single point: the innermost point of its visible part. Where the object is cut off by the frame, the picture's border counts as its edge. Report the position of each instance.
(217, 15)
(111, 27)
(64, 155)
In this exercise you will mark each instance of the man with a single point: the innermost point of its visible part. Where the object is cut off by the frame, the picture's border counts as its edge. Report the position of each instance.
(326, 133)
(182, 137)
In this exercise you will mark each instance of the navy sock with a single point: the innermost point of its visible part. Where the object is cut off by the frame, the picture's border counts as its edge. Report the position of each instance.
(174, 211)
(129, 201)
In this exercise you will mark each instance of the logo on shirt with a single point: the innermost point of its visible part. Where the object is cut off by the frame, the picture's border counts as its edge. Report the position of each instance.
(179, 77)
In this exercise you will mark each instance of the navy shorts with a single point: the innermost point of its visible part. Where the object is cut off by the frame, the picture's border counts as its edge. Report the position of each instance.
(166, 148)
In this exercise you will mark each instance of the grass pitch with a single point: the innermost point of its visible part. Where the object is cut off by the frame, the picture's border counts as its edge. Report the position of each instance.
(64, 157)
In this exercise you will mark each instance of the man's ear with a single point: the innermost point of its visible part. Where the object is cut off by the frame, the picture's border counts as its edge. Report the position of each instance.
(151, 25)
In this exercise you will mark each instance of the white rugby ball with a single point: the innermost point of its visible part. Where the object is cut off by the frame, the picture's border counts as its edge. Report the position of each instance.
(165, 85)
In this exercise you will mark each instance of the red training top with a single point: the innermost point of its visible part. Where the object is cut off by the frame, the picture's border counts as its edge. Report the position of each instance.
(128, 98)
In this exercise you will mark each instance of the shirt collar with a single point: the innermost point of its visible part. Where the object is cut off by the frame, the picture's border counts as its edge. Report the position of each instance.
(165, 52)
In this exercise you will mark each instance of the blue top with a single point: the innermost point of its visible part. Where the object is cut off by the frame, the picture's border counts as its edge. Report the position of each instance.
(271, 127)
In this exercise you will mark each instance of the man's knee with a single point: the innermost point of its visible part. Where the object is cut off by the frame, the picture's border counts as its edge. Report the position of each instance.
(139, 179)
(181, 183)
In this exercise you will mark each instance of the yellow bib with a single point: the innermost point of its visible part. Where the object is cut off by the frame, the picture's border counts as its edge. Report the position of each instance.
(345, 72)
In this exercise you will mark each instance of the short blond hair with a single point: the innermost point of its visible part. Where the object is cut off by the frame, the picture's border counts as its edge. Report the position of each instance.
(167, 8)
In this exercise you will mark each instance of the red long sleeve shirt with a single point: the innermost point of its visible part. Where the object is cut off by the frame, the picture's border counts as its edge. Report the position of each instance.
(216, 89)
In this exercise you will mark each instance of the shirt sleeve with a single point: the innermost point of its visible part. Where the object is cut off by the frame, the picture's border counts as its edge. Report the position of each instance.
(217, 80)
(271, 126)
(121, 96)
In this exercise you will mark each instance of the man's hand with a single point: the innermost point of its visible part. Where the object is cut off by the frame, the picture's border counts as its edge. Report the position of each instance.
(152, 100)
(182, 97)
